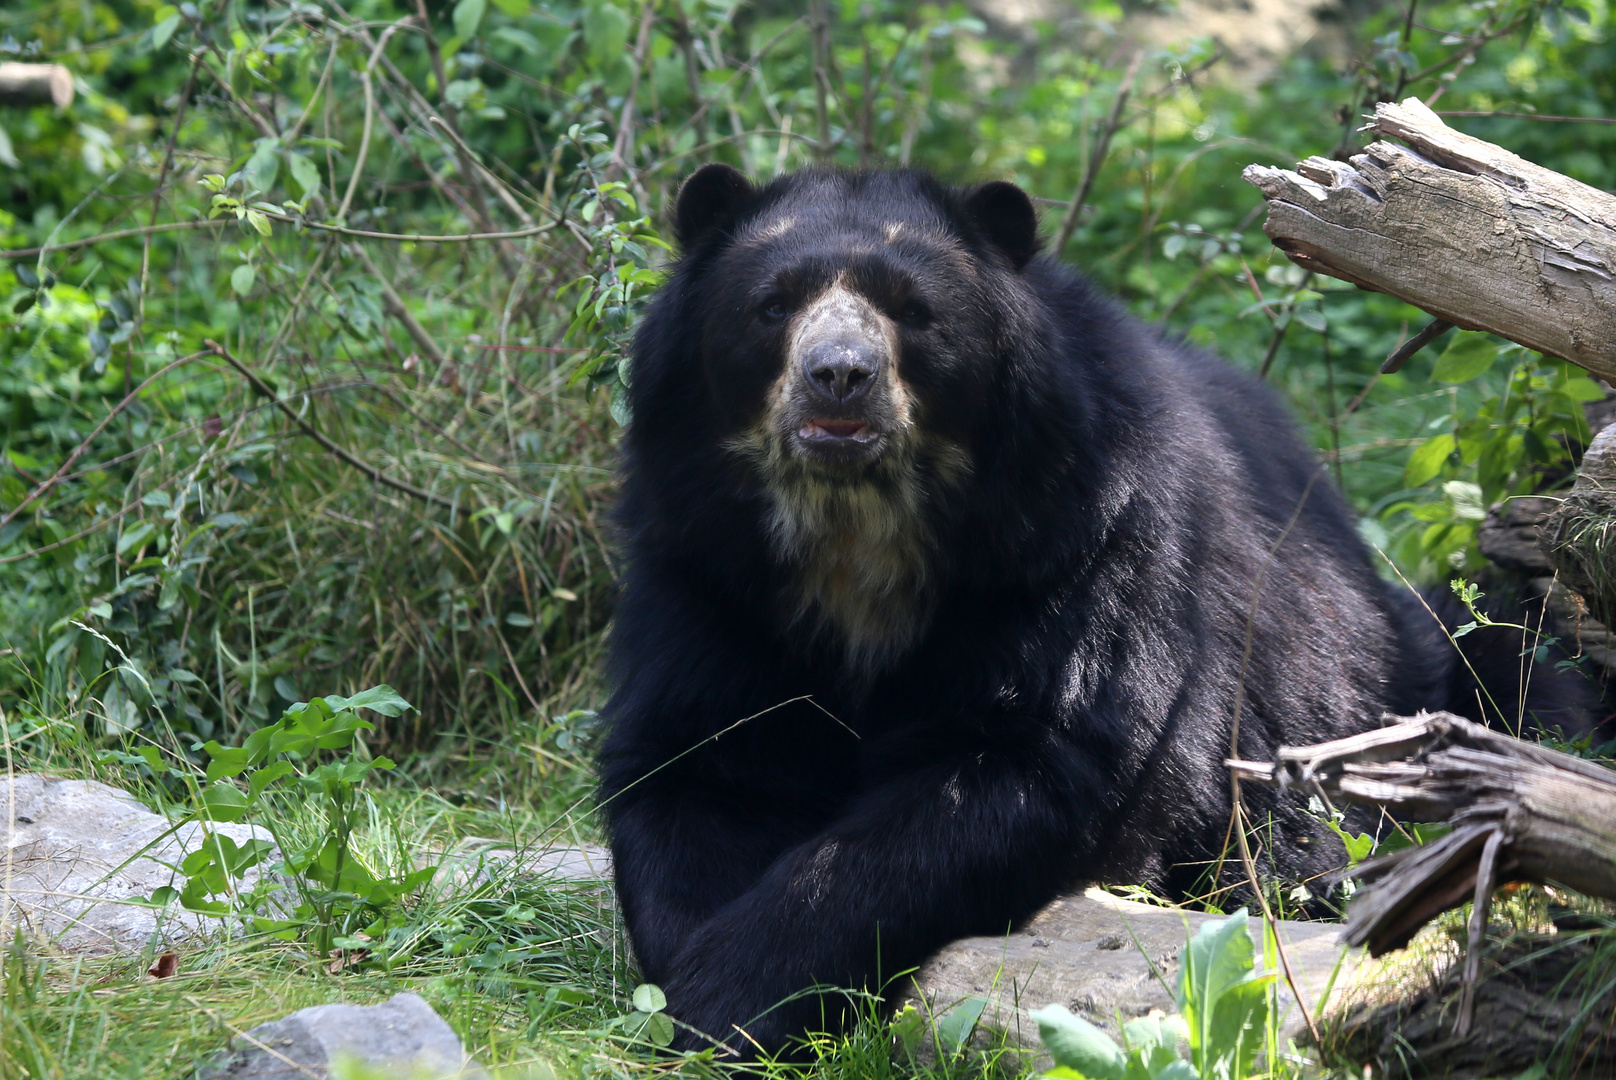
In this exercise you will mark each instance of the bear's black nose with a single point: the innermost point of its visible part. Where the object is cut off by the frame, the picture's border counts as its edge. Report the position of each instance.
(841, 370)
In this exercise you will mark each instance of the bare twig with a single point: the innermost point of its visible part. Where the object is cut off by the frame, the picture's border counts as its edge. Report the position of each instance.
(312, 432)
(623, 145)
(78, 451)
(1102, 143)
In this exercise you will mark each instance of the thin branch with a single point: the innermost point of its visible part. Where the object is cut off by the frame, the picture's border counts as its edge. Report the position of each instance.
(79, 450)
(1102, 144)
(308, 429)
(622, 146)
(395, 305)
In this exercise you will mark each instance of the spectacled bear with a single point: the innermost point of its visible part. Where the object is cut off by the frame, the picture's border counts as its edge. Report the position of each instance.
(944, 581)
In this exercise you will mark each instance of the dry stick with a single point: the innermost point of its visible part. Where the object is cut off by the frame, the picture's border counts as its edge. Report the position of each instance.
(370, 115)
(1102, 144)
(1478, 929)
(319, 89)
(1239, 814)
(363, 234)
(1435, 329)
(395, 305)
(308, 429)
(622, 146)
(1528, 116)
(162, 178)
(79, 450)
(819, 39)
(501, 188)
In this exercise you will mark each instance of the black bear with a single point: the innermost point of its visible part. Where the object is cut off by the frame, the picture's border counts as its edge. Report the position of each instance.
(944, 581)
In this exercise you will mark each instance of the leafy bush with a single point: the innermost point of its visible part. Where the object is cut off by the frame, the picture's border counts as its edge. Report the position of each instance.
(1225, 1016)
(314, 315)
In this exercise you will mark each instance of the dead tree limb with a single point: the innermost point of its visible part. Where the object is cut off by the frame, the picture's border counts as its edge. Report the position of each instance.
(1468, 231)
(1547, 817)
(36, 84)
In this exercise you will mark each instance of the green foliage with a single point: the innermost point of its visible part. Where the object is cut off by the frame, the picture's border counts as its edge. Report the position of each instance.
(296, 183)
(1225, 1011)
(1509, 445)
(311, 753)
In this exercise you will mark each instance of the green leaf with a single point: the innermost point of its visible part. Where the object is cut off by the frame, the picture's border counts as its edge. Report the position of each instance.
(382, 699)
(264, 165)
(305, 173)
(1467, 356)
(135, 536)
(166, 25)
(241, 279)
(1358, 847)
(1428, 460)
(223, 802)
(262, 778)
(648, 998)
(954, 1029)
(468, 15)
(605, 32)
(1221, 1000)
(226, 762)
(259, 222)
(1078, 1044)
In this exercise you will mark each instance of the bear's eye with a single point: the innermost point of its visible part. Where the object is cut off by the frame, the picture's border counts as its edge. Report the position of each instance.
(775, 308)
(914, 313)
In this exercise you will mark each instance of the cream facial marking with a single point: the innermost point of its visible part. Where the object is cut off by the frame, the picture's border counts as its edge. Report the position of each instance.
(852, 479)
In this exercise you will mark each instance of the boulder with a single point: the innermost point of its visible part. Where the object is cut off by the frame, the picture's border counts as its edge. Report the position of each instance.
(78, 858)
(401, 1037)
(1108, 960)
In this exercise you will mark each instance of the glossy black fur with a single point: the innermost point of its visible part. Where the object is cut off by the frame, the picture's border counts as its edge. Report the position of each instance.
(780, 819)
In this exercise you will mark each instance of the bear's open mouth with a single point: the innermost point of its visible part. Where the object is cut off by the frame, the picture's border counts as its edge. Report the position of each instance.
(824, 428)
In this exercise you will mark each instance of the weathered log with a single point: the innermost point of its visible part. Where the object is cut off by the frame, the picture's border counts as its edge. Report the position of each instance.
(1468, 231)
(1543, 816)
(36, 84)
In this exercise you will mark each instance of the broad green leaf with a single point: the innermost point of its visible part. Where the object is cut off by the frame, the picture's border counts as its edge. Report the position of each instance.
(1220, 998)
(382, 699)
(1467, 356)
(166, 25)
(134, 536)
(606, 29)
(225, 761)
(241, 279)
(468, 15)
(1426, 462)
(659, 1029)
(262, 778)
(954, 1029)
(305, 173)
(264, 165)
(1078, 1044)
(223, 802)
(648, 998)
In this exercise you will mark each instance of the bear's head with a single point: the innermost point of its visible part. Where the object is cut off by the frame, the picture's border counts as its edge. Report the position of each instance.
(848, 329)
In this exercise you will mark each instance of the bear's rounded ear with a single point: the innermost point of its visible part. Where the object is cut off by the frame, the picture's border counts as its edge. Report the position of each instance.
(713, 197)
(1006, 217)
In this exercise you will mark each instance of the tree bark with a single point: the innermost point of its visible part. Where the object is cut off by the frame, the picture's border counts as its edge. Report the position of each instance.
(1468, 231)
(36, 84)
(1547, 817)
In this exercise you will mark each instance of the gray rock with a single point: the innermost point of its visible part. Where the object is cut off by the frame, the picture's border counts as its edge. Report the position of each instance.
(402, 1037)
(1106, 958)
(77, 852)
(477, 859)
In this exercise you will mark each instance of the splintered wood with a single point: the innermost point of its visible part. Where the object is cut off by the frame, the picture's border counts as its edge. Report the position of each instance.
(1545, 816)
(1466, 230)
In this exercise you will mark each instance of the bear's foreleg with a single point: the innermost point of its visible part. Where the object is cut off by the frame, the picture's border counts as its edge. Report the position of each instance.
(964, 833)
